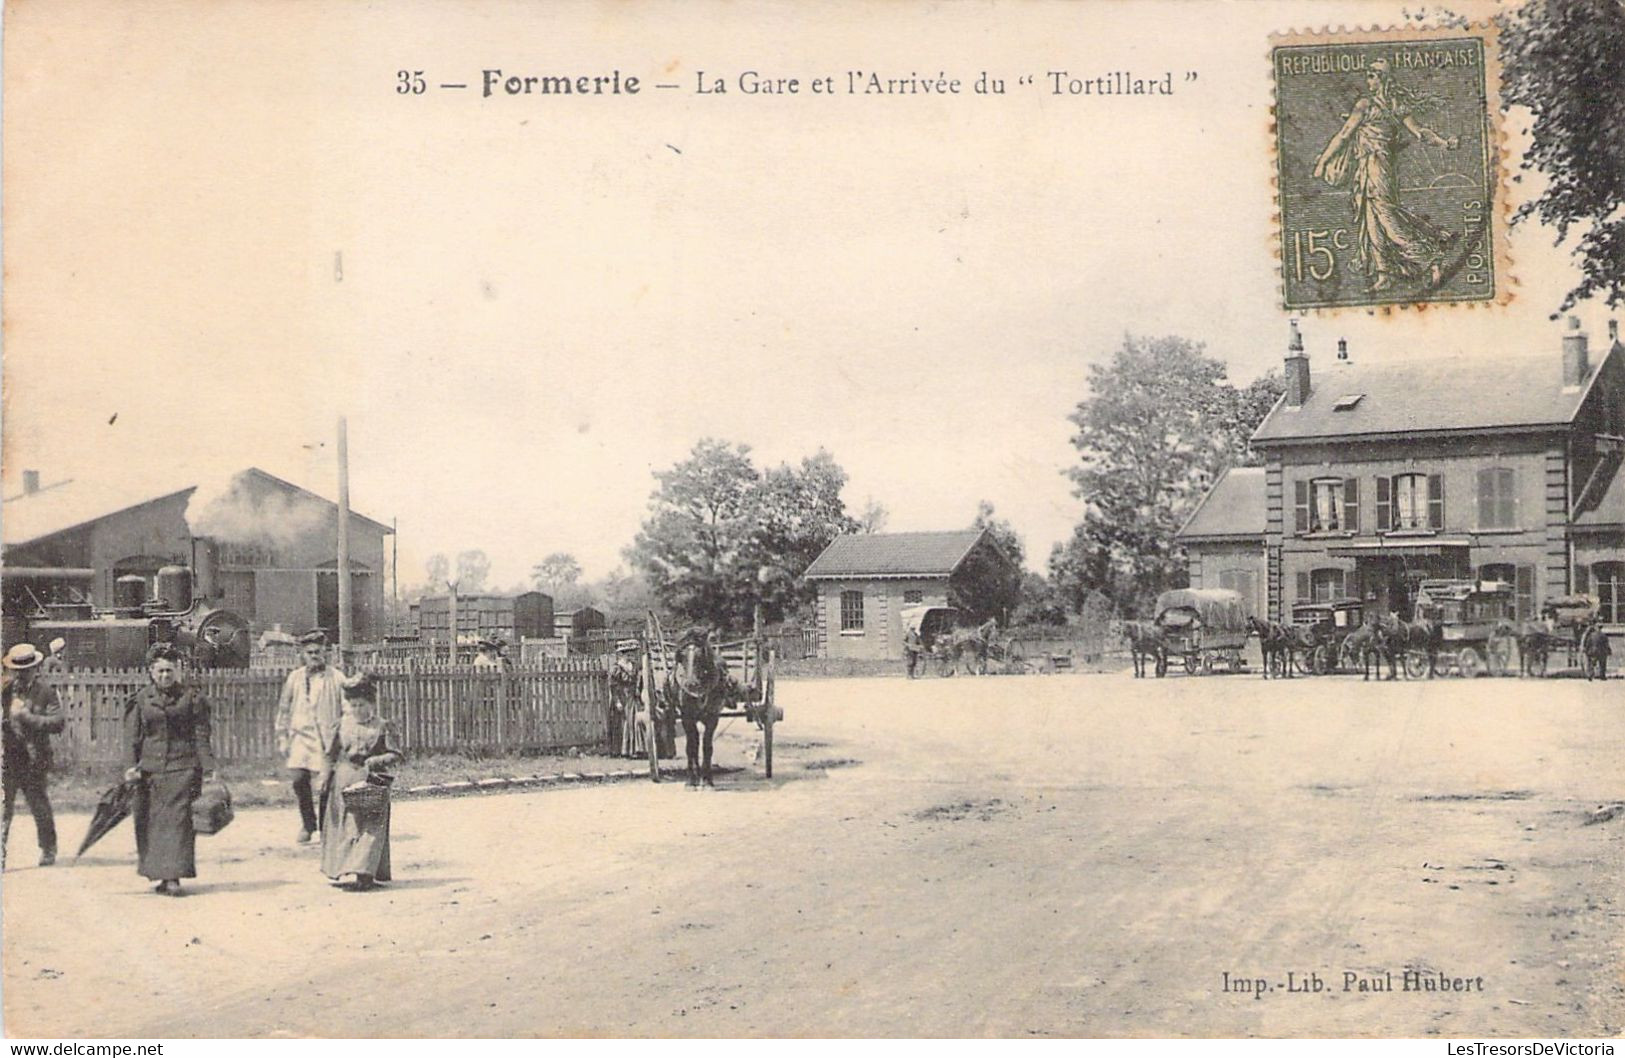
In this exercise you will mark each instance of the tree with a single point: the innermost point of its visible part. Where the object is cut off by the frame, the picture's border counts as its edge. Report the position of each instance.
(472, 569)
(693, 548)
(721, 535)
(556, 572)
(798, 512)
(1158, 426)
(1040, 603)
(438, 569)
(874, 517)
(984, 586)
(1556, 56)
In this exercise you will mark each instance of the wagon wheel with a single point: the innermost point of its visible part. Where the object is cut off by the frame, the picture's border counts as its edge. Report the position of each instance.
(1320, 660)
(1416, 664)
(1207, 663)
(1500, 655)
(1193, 663)
(945, 665)
(771, 714)
(1471, 662)
(1304, 660)
(1537, 662)
(651, 718)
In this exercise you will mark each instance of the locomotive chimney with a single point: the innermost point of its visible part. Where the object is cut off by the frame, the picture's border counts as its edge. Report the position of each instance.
(30, 482)
(1576, 358)
(1297, 370)
(205, 567)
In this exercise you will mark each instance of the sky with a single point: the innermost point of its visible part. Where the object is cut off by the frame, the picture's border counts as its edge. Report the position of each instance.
(228, 229)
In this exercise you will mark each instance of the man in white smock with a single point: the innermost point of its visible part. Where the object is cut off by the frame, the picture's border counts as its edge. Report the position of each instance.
(307, 723)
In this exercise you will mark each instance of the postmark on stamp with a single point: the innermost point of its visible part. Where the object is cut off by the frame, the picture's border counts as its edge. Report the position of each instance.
(1387, 154)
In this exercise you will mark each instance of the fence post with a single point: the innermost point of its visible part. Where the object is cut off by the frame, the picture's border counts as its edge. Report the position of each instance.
(502, 710)
(410, 736)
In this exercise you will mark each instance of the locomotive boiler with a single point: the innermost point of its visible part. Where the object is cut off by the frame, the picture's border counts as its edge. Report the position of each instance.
(180, 609)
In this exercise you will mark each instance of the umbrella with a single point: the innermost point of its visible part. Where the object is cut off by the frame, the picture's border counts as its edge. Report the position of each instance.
(110, 812)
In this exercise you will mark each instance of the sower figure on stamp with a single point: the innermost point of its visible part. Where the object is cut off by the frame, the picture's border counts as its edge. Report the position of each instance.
(1390, 240)
(307, 723)
(33, 714)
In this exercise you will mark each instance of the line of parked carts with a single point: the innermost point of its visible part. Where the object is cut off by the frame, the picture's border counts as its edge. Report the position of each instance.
(1461, 627)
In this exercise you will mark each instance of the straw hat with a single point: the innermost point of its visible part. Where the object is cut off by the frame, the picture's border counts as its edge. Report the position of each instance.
(22, 656)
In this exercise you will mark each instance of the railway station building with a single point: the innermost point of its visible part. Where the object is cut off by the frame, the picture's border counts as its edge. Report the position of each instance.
(1378, 476)
(257, 545)
(865, 580)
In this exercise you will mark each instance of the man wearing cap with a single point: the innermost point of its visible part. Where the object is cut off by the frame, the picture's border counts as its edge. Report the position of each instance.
(33, 715)
(56, 660)
(307, 724)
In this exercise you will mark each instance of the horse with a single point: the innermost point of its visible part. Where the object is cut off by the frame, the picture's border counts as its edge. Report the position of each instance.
(1534, 639)
(1366, 645)
(696, 687)
(1145, 643)
(1278, 642)
(1594, 651)
(1404, 636)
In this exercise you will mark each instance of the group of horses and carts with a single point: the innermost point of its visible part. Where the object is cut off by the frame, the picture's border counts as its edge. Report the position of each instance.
(1460, 627)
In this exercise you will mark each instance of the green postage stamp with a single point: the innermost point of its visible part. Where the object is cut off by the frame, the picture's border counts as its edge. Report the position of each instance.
(1387, 154)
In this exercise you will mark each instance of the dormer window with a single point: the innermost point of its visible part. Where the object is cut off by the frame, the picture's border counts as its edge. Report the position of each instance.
(1348, 401)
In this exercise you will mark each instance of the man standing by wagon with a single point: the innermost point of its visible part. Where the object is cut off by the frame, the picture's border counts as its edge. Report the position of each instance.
(32, 715)
(913, 647)
(307, 723)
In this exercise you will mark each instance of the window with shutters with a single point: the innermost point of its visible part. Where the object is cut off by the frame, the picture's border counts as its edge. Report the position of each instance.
(1608, 586)
(1326, 505)
(851, 611)
(1497, 498)
(1416, 501)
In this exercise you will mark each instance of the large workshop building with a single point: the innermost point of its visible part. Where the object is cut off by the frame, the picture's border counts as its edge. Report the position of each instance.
(1377, 476)
(258, 545)
(865, 580)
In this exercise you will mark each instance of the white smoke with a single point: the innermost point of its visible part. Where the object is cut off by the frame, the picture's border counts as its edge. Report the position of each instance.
(240, 510)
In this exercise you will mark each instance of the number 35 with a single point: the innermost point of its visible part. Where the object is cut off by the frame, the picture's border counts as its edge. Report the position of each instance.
(409, 82)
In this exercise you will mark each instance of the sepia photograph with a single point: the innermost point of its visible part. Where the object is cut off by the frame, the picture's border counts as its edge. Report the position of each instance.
(639, 520)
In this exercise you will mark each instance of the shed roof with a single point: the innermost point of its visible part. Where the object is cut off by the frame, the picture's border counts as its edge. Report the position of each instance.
(1234, 507)
(71, 504)
(1423, 394)
(936, 554)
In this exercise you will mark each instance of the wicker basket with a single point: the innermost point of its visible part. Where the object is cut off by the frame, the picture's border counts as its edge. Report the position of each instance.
(366, 800)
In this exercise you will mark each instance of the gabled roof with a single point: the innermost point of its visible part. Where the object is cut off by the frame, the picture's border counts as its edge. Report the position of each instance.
(895, 554)
(72, 504)
(1424, 394)
(1234, 507)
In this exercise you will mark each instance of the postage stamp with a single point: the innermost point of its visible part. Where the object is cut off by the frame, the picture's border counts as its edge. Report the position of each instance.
(1388, 173)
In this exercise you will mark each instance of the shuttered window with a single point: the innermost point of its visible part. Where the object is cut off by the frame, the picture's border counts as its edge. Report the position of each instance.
(1385, 505)
(1300, 507)
(1608, 585)
(1351, 505)
(1497, 498)
(1418, 501)
(1326, 585)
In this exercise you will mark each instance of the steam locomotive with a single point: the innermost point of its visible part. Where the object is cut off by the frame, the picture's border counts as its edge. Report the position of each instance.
(179, 612)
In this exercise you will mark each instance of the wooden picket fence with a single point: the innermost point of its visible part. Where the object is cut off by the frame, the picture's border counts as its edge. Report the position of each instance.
(433, 708)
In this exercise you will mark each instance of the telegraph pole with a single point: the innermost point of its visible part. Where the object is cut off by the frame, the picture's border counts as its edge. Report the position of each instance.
(346, 631)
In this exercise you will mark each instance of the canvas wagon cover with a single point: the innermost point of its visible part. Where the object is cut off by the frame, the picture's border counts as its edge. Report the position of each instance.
(1216, 608)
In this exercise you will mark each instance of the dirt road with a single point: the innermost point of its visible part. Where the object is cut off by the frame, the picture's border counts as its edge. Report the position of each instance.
(1063, 855)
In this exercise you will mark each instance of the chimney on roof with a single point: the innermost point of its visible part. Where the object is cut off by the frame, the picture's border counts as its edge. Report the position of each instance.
(1576, 359)
(30, 482)
(1297, 370)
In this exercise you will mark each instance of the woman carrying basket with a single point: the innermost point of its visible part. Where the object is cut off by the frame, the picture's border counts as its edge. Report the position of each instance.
(355, 832)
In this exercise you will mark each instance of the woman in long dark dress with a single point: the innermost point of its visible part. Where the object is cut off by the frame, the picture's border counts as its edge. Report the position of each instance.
(355, 836)
(167, 752)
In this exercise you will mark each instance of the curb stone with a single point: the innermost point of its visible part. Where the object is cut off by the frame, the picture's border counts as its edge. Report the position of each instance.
(520, 782)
